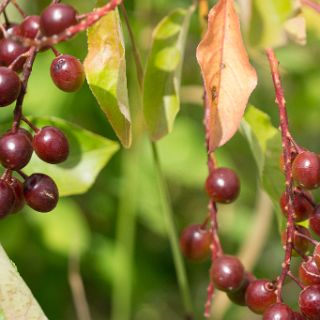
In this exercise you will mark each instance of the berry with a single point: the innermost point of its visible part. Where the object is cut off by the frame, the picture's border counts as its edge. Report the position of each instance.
(17, 188)
(10, 86)
(223, 185)
(51, 145)
(30, 26)
(195, 242)
(10, 51)
(316, 255)
(309, 273)
(306, 170)
(300, 244)
(278, 311)
(56, 18)
(7, 198)
(227, 273)
(239, 296)
(309, 302)
(15, 150)
(41, 192)
(67, 73)
(302, 205)
(298, 316)
(260, 295)
(314, 221)
(13, 29)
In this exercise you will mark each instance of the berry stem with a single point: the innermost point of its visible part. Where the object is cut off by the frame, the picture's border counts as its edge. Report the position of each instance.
(286, 145)
(19, 9)
(309, 3)
(22, 174)
(314, 242)
(29, 123)
(3, 5)
(27, 68)
(295, 279)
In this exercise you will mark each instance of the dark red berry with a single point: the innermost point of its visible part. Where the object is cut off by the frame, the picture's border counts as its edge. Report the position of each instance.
(309, 273)
(301, 245)
(316, 255)
(227, 273)
(56, 18)
(10, 51)
(309, 302)
(26, 133)
(51, 145)
(17, 188)
(13, 29)
(260, 295)
(15, 150)
(306, 170)
(298, 316)
(223, 185)
(195, 242)
(30, 27)
(67, 73)
(239, 296)
(10, 86)
(302, 205)
(314, 221)
(41, 192)
(278, 311)
(7, 198)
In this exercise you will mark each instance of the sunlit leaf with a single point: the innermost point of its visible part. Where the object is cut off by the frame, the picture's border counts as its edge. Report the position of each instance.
(17, 301)
(228, 77)
(89, 153)
(161, 101)
(105, 68)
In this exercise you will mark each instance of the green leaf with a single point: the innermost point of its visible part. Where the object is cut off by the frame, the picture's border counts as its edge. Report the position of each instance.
(64, 230)
(105, 68)
(265, 143)
(89, 153)
(161, 101)
(17, 301)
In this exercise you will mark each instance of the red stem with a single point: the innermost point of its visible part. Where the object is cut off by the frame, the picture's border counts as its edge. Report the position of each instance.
(286, 145)
(309, 3)
(3, 5)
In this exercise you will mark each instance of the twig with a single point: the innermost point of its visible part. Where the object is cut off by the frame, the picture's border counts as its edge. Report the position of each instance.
(77, 288)
(286, 145)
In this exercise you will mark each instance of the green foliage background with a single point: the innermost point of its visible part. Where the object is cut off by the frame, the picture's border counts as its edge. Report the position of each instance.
(41, 244)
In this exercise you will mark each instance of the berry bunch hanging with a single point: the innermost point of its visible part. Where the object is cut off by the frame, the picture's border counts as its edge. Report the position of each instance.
(19, 45)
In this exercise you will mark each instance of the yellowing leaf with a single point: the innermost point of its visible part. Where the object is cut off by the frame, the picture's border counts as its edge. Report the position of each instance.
(105, 68)
(228, 77)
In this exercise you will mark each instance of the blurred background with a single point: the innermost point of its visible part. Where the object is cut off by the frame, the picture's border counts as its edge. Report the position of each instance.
(118, 225)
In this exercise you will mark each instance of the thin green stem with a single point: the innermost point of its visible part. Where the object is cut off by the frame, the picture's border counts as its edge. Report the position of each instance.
(172, 233)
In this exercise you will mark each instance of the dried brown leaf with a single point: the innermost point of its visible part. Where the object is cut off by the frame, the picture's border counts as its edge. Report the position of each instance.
(228, 77)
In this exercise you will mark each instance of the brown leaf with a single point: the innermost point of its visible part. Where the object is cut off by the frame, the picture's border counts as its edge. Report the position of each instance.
(228, 76)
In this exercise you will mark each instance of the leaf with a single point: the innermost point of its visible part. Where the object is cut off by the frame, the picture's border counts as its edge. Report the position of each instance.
(16, 299)
(265, 143)
(89, 153)
(228, 76)
(64, 230)
(161, 101)
(105, 68)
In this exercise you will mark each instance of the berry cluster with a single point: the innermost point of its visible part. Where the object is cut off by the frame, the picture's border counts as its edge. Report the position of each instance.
(50, 144)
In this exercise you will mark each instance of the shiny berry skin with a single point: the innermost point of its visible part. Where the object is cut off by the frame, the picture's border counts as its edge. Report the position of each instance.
(239, 296)
(306, 170)
(316, 255)
(67, 73)
(227, 273)
(15, 150)
(278, 311)
(56, 18)
(17, 188)
(309, 273)
(309, 302)
(300, 244)
(260, 295)
(10, 51)
(10, 86)
(6, 198)
(51, 145)
(302, 204)
(30, 26)
(223, 185)
(314, 221)
(40, 192)
(195, 242)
